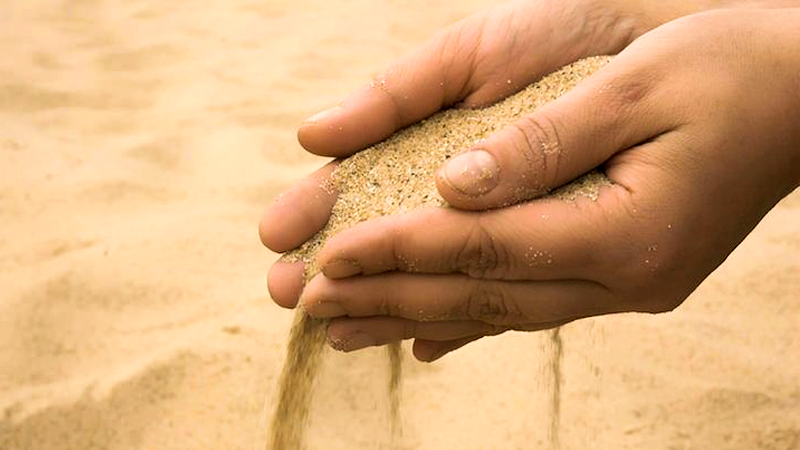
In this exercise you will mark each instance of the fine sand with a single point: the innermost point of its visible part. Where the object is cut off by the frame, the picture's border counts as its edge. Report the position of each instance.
(139, 142)
(393, 177)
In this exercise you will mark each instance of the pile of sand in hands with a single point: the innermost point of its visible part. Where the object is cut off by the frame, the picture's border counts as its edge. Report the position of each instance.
(392, 177)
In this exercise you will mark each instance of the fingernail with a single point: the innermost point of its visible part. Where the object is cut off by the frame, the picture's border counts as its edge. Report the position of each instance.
(324, 310)
(341, 268)
(322, 115)
(473, 173)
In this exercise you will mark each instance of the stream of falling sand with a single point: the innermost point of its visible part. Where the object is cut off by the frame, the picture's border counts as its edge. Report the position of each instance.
(556, 359)
(396, 176)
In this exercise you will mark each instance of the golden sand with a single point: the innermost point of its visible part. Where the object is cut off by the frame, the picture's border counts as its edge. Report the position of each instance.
(133, 312)
(392, 177)
(397, 175)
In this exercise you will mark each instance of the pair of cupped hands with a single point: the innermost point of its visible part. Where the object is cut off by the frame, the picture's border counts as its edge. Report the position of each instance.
(696, 122)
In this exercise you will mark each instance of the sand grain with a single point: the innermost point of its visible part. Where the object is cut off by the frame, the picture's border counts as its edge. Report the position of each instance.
(392, 177)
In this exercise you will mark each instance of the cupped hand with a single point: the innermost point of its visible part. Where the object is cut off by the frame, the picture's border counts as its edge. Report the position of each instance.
(695, 124)
(472, 63)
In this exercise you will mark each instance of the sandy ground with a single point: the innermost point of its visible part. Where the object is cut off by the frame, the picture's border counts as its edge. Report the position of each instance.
(139, 141)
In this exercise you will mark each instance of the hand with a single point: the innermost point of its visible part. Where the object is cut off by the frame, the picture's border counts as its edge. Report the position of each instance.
(681, 121)
(470, 64)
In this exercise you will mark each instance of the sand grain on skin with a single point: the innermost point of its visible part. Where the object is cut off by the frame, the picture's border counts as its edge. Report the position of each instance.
(392, 177)
(141, 141)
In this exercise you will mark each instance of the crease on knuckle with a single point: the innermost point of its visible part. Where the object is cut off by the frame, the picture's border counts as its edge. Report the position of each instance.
(458, 44)
(398, 244)
(623, 98)
(538, 140)
(380, 85)
(479, 256)
(386, 304)
(490, 303)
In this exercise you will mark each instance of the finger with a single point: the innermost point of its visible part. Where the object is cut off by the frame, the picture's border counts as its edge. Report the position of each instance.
(614, 109)
(348, 334)
(536, 240)
(415, 87)
(542, 326)
(424, 297)
(429, 351)
(285, 282)
(476, 61)
(297, 214)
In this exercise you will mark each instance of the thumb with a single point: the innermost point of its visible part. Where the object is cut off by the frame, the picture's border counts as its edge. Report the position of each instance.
(610, 111)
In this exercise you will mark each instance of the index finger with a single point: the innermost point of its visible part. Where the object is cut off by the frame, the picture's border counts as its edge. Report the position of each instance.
(423, 82)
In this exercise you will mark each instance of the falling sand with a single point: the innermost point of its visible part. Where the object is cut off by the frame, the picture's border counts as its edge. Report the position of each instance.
(392, 177)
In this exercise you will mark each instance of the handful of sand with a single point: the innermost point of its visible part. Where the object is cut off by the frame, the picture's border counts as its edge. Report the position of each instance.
(392, 177)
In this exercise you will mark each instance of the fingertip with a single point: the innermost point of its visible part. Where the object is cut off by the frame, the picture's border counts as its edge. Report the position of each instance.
(311, 133)
(339, 268)
(316, 138)
(344, 335)
(360, 120)
(367, 116)
(426, 351)
(335, 259)
(338, 329)
(269, 229)
(363, 249)
(319, 299)
(297, 214)
(430, 351)
(334, 250)
(285, 283)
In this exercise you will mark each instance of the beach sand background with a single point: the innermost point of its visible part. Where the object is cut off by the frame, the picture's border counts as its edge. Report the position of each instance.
(139, 143)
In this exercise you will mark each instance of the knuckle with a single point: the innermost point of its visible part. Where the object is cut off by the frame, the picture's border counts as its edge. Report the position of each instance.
(480, 256)
(399, 239)
(490, 302)
(619, 95)
(538, 140)
(387, 304)
(620, 99)
(384, 86)
(382, 305)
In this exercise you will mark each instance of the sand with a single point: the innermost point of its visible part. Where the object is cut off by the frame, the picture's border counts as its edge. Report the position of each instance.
(139, 143)
(393, 177)
(398, 174)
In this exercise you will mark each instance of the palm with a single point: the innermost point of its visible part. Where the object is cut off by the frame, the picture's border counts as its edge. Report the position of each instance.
(630, 117)
(475, 62)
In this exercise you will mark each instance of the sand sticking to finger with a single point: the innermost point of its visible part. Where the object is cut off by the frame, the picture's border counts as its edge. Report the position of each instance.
(395, 176)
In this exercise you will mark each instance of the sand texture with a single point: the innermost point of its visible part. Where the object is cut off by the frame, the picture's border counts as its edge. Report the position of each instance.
(398, 174)
(139, 143)
(392, 177)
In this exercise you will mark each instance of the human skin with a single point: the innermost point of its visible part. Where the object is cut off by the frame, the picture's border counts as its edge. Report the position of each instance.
(695, 122)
